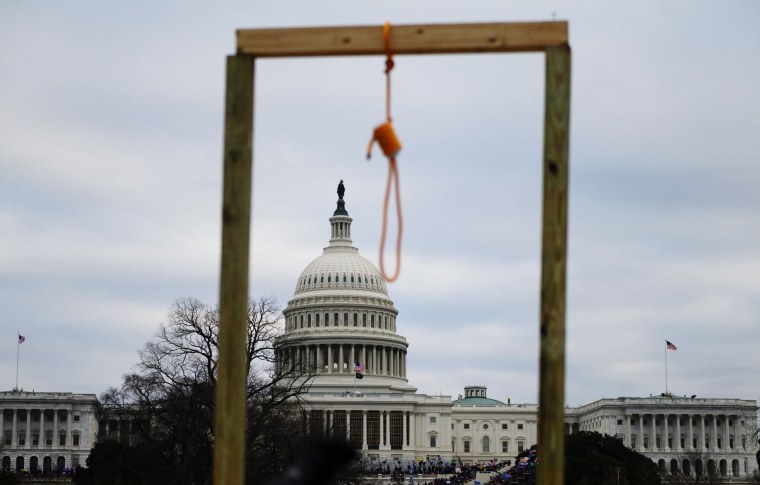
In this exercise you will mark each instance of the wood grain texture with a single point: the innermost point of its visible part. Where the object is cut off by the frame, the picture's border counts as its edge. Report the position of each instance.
(405, 39)
(229, 427)
(551, 435)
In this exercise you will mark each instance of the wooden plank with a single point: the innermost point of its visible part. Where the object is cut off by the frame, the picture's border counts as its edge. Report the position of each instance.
(551, 435)
(229, 453)
(405, 39)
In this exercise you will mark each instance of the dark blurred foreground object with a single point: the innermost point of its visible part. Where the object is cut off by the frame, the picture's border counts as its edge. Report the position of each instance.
(319, 462)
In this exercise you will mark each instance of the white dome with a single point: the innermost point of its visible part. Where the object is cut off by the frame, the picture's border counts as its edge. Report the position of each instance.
(341, 268)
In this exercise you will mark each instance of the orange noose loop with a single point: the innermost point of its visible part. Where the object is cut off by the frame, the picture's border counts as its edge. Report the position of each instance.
(389, 143)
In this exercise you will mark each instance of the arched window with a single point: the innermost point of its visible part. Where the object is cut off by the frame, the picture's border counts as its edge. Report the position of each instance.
(335, 321)
(316, 323)
(329, 278)
(308, 320)
(372, 321)
(356, 320)
(364, 319)
(486, 444)
(345, 319)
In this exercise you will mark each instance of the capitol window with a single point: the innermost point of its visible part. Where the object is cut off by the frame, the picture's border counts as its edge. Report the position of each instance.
(504, 426)
(486, 444)
(8, 436)
(520, 446)
(432, 420)
(466, 425)
(520, 426)
(75, 439)
(505, 446)
(466, 446)
(433, 441)
(485, 426)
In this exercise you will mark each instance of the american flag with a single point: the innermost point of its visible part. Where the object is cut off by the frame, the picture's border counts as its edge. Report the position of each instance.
(359, 367)
(21, 339)
(669, 345)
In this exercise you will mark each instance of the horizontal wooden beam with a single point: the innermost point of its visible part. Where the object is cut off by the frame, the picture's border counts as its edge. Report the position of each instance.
(405, 39)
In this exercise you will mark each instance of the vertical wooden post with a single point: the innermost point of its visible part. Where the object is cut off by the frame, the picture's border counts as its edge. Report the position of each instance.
(551, 437)
(229, 427)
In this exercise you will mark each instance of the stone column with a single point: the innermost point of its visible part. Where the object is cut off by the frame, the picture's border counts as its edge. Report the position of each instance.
(329, 359)
(665, 432)
(726, 435)
(364, 357)
(364, 429)
(353, 356)
(41, 443)
(701, 440)
(320, 365)
(653, 435)
(28, 429)
(404, 434)
(69, 422)
(412, 429)
(714, 433)
(14, 429)
(388, 429)
(382, 441)
(678, 433)
(55, 428)
(340, 358)
(690, 444)
(627, 429)
(641, 432)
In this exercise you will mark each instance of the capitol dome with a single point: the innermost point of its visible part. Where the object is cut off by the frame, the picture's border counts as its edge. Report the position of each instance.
(341, 317)
(342, 269)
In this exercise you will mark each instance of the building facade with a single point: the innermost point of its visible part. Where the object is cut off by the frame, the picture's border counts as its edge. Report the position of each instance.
(677, 433)
(341, 323)
(46, 430)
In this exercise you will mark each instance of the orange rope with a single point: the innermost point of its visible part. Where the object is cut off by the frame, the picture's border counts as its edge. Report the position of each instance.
(392, 174)
(386, 138)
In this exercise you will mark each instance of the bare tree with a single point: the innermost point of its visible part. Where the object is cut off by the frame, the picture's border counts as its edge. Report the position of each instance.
(168, 401)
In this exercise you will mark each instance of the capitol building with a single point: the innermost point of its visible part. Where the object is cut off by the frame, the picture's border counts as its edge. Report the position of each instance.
(341, 322)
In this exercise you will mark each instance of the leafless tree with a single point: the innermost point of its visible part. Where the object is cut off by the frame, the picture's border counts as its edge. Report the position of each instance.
(168, 400)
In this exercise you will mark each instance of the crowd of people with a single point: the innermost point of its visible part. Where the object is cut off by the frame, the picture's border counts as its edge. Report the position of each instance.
(523, 472)
(38, 473)
(433, 472)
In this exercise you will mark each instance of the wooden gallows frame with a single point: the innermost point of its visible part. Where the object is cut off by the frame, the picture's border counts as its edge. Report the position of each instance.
(551, 38)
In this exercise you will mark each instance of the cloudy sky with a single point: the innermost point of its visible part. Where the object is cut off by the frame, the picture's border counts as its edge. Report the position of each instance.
(110, 187)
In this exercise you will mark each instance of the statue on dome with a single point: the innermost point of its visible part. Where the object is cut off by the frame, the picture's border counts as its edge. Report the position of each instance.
(341, 189)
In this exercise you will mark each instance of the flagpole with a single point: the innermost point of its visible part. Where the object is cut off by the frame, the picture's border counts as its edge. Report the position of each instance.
(666, 367)
(18, 346)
